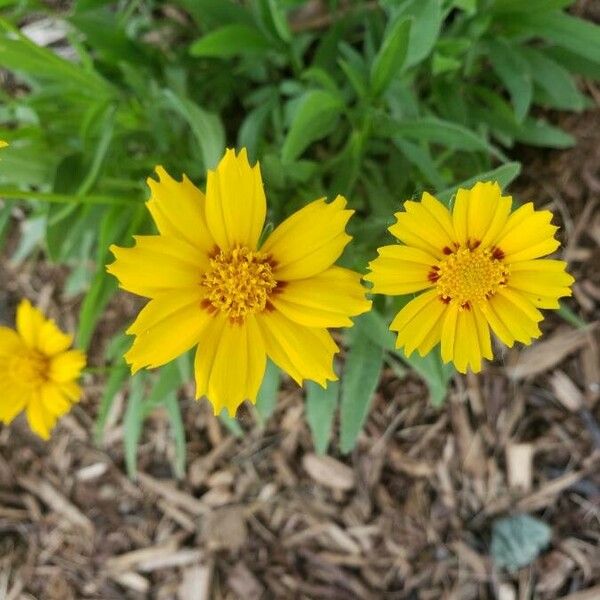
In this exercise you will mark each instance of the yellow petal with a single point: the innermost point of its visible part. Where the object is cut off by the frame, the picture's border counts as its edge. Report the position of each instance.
(206, 353)
(67, 366)
(10, 342)
(235, 202)
(541, 278)
(178, 209)
(166, 328)
(310, 240)
(467, 352)
(480, 213)
(40, 420)
(413, 309)
(400, 270)
(416, 332)
(71, 390)
(238, 366)
(449, 332)
(14, 399)
(40, 333)
(420, 229)
(302, 352)
(54, 401)
(328, 299)
(483, 333)
(516, 321)
(527, 234)
(157, 264)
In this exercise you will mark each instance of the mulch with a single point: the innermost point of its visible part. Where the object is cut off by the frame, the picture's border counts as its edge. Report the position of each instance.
(407, 515)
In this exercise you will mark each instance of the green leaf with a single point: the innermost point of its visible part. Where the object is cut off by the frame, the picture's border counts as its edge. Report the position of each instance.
(504, 175)
(434, 130)
(266, 400)
(518, 6)
(206, 127)
(320, 410)
(389, 60)
(231, 40)
(513, 71)
(361, 376)
(316, 113)
(427, 21)
(572, 33)
(132, 423)
(517, 541)
(14, 194)
(554, 79)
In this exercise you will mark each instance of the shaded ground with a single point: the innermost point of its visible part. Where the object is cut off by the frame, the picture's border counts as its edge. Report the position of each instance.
(407, 515)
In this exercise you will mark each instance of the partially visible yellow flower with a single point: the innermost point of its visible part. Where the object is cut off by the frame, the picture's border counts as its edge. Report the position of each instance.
(38, 372)
(212, 285)
(3, 144)
(476, 267)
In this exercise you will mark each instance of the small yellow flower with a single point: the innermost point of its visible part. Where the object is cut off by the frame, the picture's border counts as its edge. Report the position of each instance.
(38, 372)
(3, 144)
(480, 266)
(212, 285)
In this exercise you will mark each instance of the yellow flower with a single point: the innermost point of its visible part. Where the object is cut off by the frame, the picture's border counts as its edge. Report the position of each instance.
(212, 284)
(477, 267)
(3, 144)
(38, 372)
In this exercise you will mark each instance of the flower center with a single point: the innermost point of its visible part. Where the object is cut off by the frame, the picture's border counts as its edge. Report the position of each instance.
(238, 283)
(29, 369)
(470, 275)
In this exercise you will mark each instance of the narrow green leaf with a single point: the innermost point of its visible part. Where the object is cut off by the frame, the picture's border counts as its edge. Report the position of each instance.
(177, 431)
(504, 175)
(206, 126)
(315, 115)
(513, 71)
(320, 410)
(427, 22)
(132, 423)
(361, 376)
(389, 60)
(434, 130)
(572, 33)
(554, 79)
(236, 39)
(518, 6)
(14, 194)
(266, 400)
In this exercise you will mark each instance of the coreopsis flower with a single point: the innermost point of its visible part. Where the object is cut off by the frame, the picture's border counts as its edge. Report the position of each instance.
(474, 268)
(212, 284)
(3, 144)
(38, 371)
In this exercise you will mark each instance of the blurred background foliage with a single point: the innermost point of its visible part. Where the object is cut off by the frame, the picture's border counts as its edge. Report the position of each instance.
(376, 100)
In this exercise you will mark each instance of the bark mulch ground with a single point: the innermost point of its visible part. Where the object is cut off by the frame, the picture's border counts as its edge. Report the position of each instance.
(407, 515)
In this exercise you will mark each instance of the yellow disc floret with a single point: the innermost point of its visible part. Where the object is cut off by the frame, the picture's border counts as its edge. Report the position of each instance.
(470, 275)
(238, 282)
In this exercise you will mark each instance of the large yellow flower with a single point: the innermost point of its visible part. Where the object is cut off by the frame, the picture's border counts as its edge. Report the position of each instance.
(38, 372)
(212, 284)
(477, 267)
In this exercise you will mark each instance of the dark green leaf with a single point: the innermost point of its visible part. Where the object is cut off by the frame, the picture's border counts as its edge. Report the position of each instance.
(231, 40)
(361, 376)
(315, 115)
(320, 410)
(390, 58)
